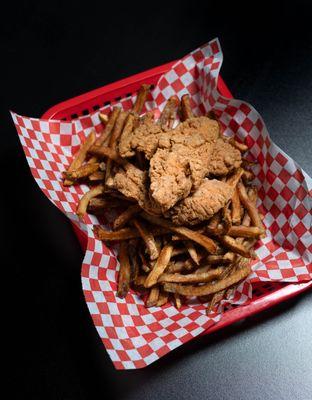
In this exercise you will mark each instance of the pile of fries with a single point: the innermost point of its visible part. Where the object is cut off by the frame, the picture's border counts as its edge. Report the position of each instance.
(158, 259)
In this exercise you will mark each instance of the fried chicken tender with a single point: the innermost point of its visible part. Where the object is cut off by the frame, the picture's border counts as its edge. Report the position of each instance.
(207, 200)
(143, 138)
(184, 156)
(133, 183)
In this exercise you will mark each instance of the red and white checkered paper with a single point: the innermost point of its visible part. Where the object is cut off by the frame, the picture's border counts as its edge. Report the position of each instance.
(135, 336)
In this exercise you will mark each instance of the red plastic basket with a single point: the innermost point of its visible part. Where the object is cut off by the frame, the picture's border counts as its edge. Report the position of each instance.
(265, 294)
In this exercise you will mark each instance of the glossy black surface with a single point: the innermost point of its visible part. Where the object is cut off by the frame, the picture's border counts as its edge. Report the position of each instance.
(55, 52)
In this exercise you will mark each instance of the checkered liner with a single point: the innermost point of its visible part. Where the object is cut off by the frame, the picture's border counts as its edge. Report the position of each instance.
(133, 335)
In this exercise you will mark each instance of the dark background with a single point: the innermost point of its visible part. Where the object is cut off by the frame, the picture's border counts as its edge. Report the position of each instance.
(53, 52)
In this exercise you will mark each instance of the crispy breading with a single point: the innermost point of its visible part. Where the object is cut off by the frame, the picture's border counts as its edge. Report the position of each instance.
(207, 200)
(185, 156)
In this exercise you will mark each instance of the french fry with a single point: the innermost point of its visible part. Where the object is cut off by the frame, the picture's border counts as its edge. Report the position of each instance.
(177, 300)
(234, 246)
(247, 176)
(239, 146)
(153, 297)
(80, 156)
(133, 258)
(210, 288)
(116, 132)
(162, 298)
(160, 266)
(245, 231)
(227, 258)
(236, 208)
(126, 136)
(214, 221)
(139, 280)
(201, 277)
(82, 172)
(178, 266)
(235, 177)
(141, 98)
(148, 239)
(169, 113)
(125, 217)
(98, 204)
(186, 110)
(250, 207)
(109, 126)
(124, 233)
(124, 272)
(146, 267)
(192, 251)
(84, 201)
(103, 118)
(107, 152)
(226, 217)
(216, 298)
(196, 237)
(178, 251)
(97, 176)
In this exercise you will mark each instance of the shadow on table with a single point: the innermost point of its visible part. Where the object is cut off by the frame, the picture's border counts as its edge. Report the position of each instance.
(99, 374)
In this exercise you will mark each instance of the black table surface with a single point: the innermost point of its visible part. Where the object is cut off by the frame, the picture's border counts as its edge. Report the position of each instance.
(55, 52)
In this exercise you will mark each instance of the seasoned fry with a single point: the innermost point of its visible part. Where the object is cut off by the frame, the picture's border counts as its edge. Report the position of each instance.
(227, 258)
(148, 239)
(178, 266)
(109, 127)
(141, 98)
(103, 118)
(177, 300)
(98, 204)
(106, 152)
(124, 233)
(118, 127)
(178, 251)
(169, 113)
(210, 288)
(153, 297)
(196, 237)
(186, 110)
(162, 298)
(226, 218)
(236, 208)
(245, 231)
(82, 172)
(80, 156)
(160, 266)
(126, 136)
(125, 217)
(247, 176)
(250, 207)
(146, 267)
(139, 280)
(84, 201)
(234, 179)
(201, 277)
(97, 176)
(216, 298)
(231, 244)
(192, 251)
(214, 221)
(124, 272)
(239, 146)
